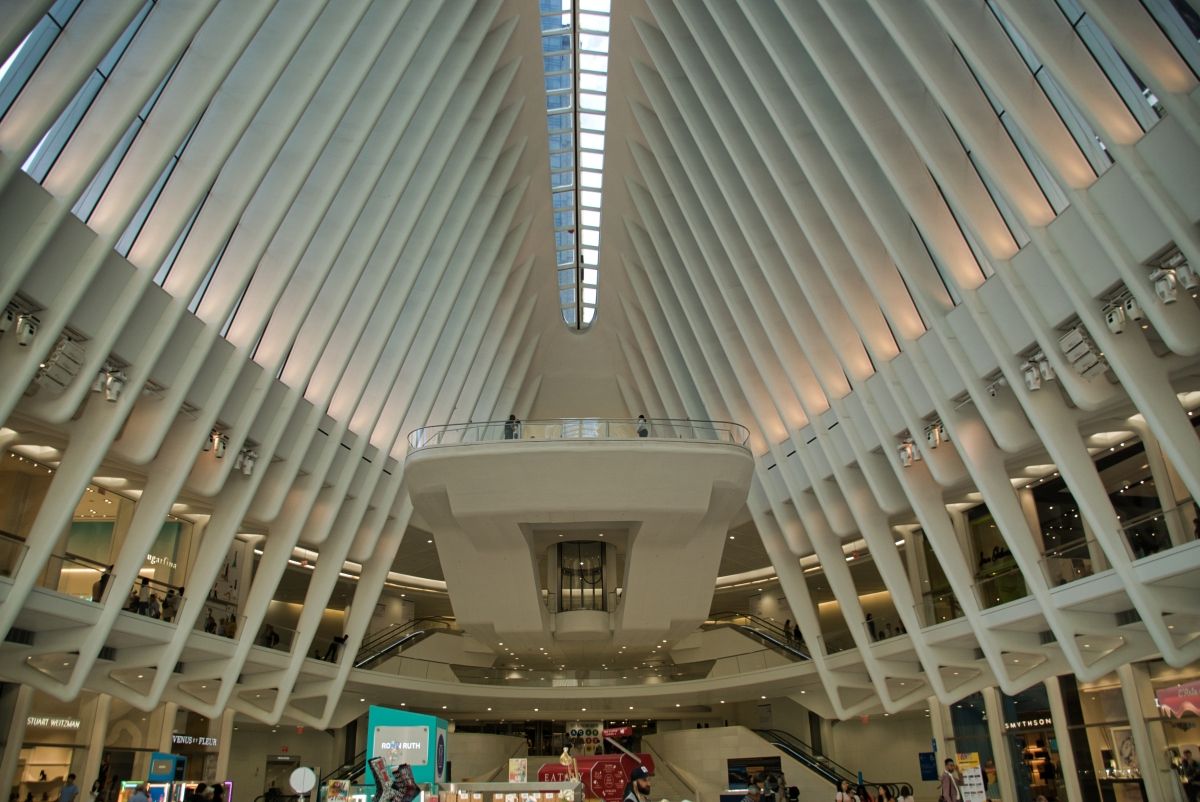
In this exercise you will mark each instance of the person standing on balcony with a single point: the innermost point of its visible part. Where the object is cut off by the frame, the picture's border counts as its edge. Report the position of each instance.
(643, 429)
(510, 428)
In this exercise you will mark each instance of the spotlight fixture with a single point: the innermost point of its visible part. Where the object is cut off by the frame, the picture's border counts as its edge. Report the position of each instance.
(114, 383)
(248, 459)
(7, 318)
(219, 444)
(908, 453)
(1187, 277)
(1166, 285)
(1043, 365)
(1114, 316)
(26, 329)
(935, 434)
(1032, 376)
(1133, 310)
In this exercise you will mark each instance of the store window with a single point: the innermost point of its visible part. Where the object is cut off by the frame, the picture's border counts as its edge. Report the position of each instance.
(1032, 745)
(997, 576)
(970, 724)
(938, 601)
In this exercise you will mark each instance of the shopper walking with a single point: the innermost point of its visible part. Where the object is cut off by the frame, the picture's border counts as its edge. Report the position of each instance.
(69, 791)
(950, 783)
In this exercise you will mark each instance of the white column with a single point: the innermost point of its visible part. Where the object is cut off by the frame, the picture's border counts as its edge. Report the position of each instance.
(221, 728)
(85, 759)
(1149, 739)
(19, 705)
(1005, 773)
(1067, 769)
(943, 729)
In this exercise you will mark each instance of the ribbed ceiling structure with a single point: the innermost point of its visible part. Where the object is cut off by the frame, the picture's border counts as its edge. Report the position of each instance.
(893, 239)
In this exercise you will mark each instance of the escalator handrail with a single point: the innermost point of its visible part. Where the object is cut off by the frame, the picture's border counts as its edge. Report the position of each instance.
(371, 639)
(763, 630)
(358, 760)
(375, 657)
(822, 764)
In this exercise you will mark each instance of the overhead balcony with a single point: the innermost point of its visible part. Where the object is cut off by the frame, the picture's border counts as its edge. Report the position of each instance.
(579, 536)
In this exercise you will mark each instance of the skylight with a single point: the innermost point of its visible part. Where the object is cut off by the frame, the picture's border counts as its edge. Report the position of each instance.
(575, 58)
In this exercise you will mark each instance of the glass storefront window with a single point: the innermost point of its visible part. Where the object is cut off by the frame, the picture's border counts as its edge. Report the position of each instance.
(997, 577)
(1032, 745)
(969, 719)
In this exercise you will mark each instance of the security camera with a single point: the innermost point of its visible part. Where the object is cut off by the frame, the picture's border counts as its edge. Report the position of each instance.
(1115, 318)
(7, 318)
(1166, 285)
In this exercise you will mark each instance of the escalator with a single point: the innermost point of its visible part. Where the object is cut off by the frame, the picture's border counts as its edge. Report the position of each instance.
(350, 770)
(381, 644)
(823, 766)
(769, 634)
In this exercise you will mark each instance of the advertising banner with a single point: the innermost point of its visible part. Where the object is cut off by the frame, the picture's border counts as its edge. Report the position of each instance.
(972, 786)
(1179, 699)
(413, 740)
(584, 736)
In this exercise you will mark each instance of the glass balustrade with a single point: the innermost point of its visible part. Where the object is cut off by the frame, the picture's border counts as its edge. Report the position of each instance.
(579, 429)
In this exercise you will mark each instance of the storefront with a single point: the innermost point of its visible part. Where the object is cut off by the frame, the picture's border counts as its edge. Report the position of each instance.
(1032, 745)
(102, 740)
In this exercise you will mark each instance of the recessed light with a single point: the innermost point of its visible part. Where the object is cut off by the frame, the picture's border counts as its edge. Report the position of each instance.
(677, 704)
(443, 707)
(583, 709)
(139, 676)
(762, 697)
(404, 704)
(362, 700)
(489, 710)
(537, 710)
(631, 707)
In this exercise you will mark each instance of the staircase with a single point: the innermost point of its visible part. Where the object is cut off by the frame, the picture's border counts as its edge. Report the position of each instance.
(666, 782)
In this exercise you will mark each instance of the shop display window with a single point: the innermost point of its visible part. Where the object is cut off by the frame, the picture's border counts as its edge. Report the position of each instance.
(997, 577)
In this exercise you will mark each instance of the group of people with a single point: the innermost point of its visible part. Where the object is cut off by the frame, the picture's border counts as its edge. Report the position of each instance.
(848, 792)
(142, 598)
(792, 631)
(882, 631)
(225, 626)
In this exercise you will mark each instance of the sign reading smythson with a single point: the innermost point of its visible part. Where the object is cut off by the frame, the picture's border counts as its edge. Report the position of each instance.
(53, 722)
(1029, 723)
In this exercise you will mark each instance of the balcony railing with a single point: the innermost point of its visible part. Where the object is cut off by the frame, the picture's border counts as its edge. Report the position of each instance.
(579, 429)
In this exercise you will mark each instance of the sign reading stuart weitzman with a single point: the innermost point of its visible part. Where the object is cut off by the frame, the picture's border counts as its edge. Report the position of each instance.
(402, 745)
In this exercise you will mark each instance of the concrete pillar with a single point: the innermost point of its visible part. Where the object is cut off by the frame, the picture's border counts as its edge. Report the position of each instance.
(1005, 771)
(943, 730)
(15, 703)
(1148, 737)
(93, 726)
(1067, 768)
(221, 728)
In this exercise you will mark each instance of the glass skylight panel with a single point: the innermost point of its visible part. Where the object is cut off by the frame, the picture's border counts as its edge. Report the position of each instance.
(575, 42)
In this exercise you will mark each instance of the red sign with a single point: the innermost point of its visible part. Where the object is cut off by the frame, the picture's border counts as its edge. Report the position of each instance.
(618, 732)
(604, 776)
(1179, 699)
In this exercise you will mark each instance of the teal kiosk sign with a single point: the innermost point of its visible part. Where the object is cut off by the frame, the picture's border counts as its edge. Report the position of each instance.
(400, 738)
